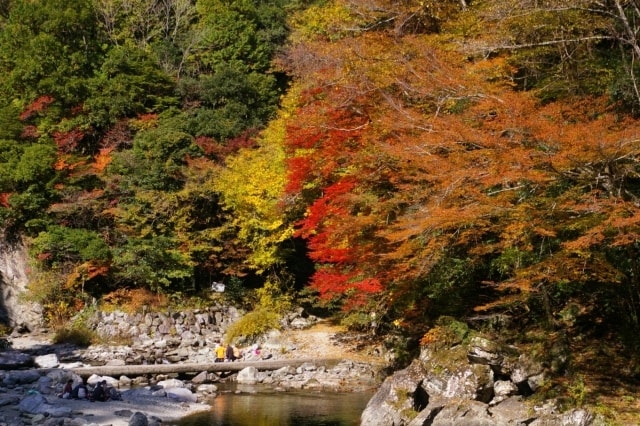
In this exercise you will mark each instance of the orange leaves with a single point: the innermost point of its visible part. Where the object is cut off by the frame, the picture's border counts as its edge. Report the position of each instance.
(4, 199)
(37, 106)
(327, 207)
(144, 121)
(298, 170)
(406, 152)
(67, 162)
(332, 285)
(102, 160)
(85, 272)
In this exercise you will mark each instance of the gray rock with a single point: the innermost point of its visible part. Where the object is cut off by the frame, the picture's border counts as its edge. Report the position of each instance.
(576, 417)
(484, 351)
(503, 389)
(525, 368)
(10, 360)
(398, 394)
(248, 376)
(300, 323)
(47, 361)
(536, 381)
(9, 400)
(20, 377)
(124, 381)
(201, 378)
(207, 389)
(45, 385)
(171, 383)
(138, 419)
(136, 393)
(470, 381)
(37, 404)
(307, 366)
(467, 413)
(512, 411)
(181, 394)
(16, 312)
(285, 371)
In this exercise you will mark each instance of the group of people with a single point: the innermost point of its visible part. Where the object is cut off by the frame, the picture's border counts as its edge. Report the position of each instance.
(100, 392)
(226, 353)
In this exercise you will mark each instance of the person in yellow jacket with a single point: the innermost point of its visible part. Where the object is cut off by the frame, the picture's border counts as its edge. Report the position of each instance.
(220, 353)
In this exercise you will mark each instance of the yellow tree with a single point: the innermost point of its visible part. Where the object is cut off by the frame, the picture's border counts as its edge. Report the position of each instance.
(251, 188)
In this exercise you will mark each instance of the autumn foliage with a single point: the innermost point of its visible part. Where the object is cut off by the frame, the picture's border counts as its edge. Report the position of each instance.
(409, 157)
(405, 159)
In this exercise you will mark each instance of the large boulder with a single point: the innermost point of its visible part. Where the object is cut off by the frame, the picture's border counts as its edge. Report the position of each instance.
(20, 377)
(465, 412)
(13, 360)
(575, 417)
(484, 351)
(513, 410)
(47, 361)
(138, 419)
(468, 381)
(399, 394)
(37, 404)
(477, 384)
(248, 376)
(181, 394)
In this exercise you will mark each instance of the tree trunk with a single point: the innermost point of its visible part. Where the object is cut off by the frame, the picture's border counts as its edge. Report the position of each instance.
(140, 370)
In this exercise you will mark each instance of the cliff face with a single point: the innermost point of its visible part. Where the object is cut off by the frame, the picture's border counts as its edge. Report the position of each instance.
(14, 311)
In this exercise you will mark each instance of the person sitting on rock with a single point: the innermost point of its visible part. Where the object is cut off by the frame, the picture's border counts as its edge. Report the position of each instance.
(99, 392)
(66, 392)
(79, 392)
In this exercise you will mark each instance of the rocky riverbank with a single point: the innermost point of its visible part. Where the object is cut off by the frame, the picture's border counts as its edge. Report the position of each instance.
(456, 380)
(35, 370)
(476, 382)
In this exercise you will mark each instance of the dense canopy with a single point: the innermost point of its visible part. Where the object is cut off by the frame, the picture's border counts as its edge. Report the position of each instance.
(405, 158)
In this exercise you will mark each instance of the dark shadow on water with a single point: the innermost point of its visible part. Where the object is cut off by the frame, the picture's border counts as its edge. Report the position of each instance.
(260, 406)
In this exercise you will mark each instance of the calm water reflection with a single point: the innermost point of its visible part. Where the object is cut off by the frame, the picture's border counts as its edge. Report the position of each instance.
(265, 407)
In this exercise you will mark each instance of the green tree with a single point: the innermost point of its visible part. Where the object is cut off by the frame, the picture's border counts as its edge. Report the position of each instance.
(157, 159)
(60, 245)
(129, 82)
(155, 263)
(232, 100)
(48, 47)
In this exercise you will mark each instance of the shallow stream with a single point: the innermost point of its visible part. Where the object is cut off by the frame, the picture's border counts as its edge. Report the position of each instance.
(244, 405)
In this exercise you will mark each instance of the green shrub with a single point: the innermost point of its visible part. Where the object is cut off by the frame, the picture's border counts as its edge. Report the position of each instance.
(357, 321)
(76, 335)
(253, 324)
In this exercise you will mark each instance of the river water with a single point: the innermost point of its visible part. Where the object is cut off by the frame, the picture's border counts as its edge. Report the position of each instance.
(242, 405)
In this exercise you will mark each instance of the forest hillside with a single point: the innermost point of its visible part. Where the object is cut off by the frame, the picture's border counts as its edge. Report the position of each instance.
(390, 162)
